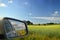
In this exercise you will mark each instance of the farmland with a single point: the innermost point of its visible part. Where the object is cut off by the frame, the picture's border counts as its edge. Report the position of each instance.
(41, 32)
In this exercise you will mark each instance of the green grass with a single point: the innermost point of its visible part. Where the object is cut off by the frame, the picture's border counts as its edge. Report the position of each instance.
(47, 32)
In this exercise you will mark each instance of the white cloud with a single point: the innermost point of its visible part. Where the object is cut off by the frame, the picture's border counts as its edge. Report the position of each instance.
(10, 1)
(26, 3)
(48, 18)
(56, 13)
(30, 14)
(3, 5)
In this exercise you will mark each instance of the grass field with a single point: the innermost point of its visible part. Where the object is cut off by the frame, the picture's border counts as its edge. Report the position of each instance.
(41, 32)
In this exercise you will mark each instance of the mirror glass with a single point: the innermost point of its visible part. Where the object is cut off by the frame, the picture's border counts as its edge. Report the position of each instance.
(15, 28)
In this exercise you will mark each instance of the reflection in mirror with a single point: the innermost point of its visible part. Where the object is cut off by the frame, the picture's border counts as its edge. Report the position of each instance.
(15, 28)
(19, 27)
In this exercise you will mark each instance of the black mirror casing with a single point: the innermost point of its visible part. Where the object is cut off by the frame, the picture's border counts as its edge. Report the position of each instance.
(6, 18)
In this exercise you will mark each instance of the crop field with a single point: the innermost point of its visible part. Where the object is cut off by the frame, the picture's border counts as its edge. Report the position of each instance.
(41, 32)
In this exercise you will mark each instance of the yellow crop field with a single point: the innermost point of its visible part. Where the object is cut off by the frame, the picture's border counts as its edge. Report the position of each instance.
(41, 32)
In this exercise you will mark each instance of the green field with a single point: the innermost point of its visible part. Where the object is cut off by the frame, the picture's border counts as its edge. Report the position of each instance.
(41, 32)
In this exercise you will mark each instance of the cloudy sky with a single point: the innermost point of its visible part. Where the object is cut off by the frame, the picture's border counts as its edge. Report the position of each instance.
(37, 11)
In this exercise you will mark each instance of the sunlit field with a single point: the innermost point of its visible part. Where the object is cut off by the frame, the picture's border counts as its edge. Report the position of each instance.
(43, 32)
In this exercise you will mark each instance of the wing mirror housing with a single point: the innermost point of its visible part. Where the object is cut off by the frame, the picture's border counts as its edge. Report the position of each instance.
(14, 28)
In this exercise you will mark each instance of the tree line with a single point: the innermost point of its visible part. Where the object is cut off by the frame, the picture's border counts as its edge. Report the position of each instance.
(31, 23)
(28, 22)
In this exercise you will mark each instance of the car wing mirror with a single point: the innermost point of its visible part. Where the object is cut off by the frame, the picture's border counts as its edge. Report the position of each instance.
(15, 28)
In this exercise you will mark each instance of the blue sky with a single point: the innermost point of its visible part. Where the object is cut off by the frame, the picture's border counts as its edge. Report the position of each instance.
(37, 11)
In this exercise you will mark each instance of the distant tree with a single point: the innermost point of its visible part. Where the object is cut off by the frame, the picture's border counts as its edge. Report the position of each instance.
(38, 24)
(44, 24)
(28, 22)
(50, 23)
